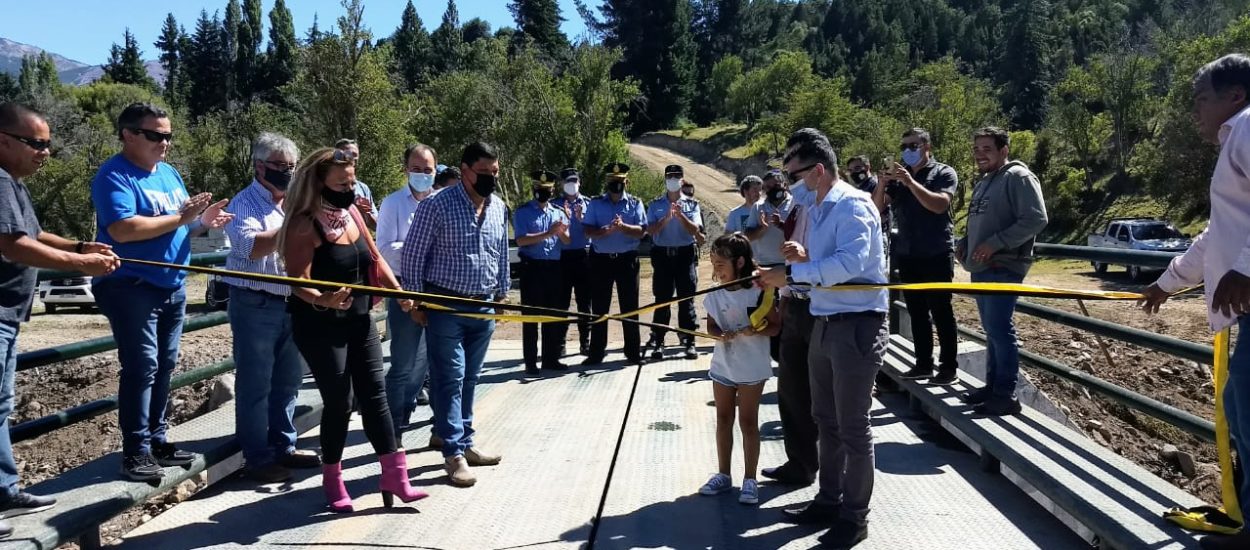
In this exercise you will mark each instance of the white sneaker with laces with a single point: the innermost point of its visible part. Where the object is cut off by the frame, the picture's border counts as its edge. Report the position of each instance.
(717, 485)
(750, 493)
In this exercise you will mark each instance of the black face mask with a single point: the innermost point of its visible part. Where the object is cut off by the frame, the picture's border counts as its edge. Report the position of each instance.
(485, 185)
(776, 194)
(542, 194)
(280, 180)
(617, 186)
(337, 199)
(859, 177)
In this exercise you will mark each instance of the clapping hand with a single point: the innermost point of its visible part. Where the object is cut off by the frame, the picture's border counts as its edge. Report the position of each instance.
(193, 207)
(214, 218)
(364, 205)
(794, 252)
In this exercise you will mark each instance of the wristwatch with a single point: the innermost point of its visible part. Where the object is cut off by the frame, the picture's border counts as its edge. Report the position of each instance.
(78, 247)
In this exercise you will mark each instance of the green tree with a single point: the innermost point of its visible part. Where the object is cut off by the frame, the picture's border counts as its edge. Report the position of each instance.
(724, 73)
(1125, 81)
(447, 41)
(282, 53)
(231, 37)
(1025, 63)
(658, 51)
(207, 69)
(170, 45)
(247, 64)
(539, 21)
(1082, 131)
(475, 29)
(125, 64)
(38, 77)
(9, 89)
(411, 45)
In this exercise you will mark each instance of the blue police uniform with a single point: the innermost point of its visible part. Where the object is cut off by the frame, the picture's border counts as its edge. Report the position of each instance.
(540, 272)
(614, 262)
(574, 257)
(674, 261)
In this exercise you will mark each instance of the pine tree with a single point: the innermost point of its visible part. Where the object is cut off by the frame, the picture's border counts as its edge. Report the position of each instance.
(475, 29)
(38, 76)
(247, 62)
(9, 89)
(125, 64)
(447, 42)
(170, 45)
(1024, 63)
(539, 20)
(659, 51)
(230, 39)
(412, 48)
(314, 32)
(280, 57)
(207, 67)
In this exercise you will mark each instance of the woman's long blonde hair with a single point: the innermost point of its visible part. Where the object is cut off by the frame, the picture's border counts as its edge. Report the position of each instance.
(303, 197)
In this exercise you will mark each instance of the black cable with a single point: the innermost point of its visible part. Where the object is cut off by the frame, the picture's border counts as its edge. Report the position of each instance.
(616, 454)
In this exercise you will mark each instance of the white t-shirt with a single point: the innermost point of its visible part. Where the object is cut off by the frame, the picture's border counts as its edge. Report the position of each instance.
(744, 359)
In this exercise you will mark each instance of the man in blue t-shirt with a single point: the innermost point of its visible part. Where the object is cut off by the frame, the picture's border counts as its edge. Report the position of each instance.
(541, 229)
(144, 212)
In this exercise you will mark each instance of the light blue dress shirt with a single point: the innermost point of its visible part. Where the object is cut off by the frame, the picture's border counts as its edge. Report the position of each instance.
(674, 234)
(532, 218)
(577, 232)
(843, 241)
(601, 213)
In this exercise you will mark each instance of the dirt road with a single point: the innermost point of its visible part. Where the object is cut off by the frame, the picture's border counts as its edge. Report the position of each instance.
(716, 190)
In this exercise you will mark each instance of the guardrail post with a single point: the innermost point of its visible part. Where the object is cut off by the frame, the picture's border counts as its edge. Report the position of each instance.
(91, 539)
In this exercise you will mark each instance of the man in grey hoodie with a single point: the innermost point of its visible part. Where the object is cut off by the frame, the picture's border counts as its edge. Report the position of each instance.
(1006, 214)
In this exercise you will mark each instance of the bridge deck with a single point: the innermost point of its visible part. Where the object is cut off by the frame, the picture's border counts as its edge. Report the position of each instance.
(558, 434)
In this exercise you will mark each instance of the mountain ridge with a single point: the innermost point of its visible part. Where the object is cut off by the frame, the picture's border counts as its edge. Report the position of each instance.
(72, 72)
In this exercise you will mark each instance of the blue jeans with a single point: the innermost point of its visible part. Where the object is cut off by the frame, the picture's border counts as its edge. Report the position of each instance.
(457, 349)
(1237, 406)
(8, 361)
(268, 372)
(1002, 350)
(147, 324)
(409, 364)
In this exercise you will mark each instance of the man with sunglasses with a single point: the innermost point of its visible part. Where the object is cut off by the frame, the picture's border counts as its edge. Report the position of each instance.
(270, 368)
(841, 244)
(144, 212)
(24, 147)
(919, 193)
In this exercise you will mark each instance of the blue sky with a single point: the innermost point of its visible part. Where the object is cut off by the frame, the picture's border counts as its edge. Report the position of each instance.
(83, 30)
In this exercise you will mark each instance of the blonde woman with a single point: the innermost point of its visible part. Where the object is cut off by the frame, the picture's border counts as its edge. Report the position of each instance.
(324, 238)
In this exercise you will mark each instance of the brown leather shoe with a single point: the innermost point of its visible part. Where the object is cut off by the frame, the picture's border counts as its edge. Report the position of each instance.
(436, 442)
(476, 457)
(458, 471)
(269, 473)
(301, 458)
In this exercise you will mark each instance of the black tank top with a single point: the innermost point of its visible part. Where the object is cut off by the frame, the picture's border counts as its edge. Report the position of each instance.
(341, 263)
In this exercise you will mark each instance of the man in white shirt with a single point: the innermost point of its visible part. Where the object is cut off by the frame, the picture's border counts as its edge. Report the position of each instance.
(1220, 256)
(409, 364)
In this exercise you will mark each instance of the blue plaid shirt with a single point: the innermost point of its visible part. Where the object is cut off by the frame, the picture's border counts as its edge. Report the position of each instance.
(254, 212)
(450, 247)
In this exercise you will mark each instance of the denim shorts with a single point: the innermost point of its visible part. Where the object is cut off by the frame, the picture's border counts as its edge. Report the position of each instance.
(730, 383)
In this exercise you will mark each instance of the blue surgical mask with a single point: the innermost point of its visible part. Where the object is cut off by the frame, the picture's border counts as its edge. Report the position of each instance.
(420, 182)
(912, 157)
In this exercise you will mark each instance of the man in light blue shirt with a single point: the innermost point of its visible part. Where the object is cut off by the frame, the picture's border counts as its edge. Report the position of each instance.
(842, 244)
(541, 229)
(615, 224)
(270, 367)
(675, 223)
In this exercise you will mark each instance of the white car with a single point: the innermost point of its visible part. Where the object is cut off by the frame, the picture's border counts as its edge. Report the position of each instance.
(74, 291)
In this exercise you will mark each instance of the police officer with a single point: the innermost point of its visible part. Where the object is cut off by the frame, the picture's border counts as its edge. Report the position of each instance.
(615, 224)
(574, 262)
(675, 224)
(541, 230)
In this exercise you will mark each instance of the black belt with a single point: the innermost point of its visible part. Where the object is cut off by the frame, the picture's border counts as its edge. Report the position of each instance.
(850, 316)
(432, 288)
(537, 260)
(573, 254)
(615, 255)
(672, 250)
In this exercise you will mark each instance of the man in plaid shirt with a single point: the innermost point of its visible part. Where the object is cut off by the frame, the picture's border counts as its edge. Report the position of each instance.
(458, 246)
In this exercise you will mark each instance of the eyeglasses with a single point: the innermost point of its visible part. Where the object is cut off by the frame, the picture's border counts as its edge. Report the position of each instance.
(280, 166)
(909, 146)
(36, 144)
(797, 175)
(154, 136)
(341, 155)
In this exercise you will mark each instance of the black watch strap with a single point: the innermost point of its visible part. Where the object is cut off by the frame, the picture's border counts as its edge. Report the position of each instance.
(78, 247)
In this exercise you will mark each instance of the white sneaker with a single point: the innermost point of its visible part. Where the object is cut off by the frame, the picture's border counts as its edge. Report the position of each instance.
(717, 485)
(750, 493)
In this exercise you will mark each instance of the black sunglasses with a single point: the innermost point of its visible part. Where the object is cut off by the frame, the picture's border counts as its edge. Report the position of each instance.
(797, 175)
(909, 146)
(36, 144)
(154, 136)
(281, 166)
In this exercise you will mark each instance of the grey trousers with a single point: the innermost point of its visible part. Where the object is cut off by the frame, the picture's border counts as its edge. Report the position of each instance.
(844, 358)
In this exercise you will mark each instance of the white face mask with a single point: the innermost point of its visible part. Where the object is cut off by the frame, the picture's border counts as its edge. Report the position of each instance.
(571, 188)
(672, 184)
(420, 182)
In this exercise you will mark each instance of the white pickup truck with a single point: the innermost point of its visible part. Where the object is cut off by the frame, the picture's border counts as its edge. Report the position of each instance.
(1139, 234)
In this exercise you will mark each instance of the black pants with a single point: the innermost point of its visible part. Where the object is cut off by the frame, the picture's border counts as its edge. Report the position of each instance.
(621, 270)
(794, 388)
(674, 269)
(923, 305)
(345, 353)
(541, 286)
(575, 281)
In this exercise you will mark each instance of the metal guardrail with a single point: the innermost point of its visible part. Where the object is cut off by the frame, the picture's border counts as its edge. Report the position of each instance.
(1146, 339)
(55, 354)
(1117, 256)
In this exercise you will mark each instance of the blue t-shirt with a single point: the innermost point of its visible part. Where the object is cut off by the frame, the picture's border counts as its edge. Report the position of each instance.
(120, 191)
(674, 233)
(530, 219)
(601, 213)
(577, 207)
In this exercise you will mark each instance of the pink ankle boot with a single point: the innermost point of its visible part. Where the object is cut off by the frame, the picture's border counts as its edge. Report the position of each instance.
(336, 493)
(395, 480)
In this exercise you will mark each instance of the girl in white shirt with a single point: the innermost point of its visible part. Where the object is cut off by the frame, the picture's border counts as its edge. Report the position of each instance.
(744, 318)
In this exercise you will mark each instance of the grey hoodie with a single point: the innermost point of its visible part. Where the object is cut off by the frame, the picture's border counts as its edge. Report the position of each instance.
(1007, 211)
